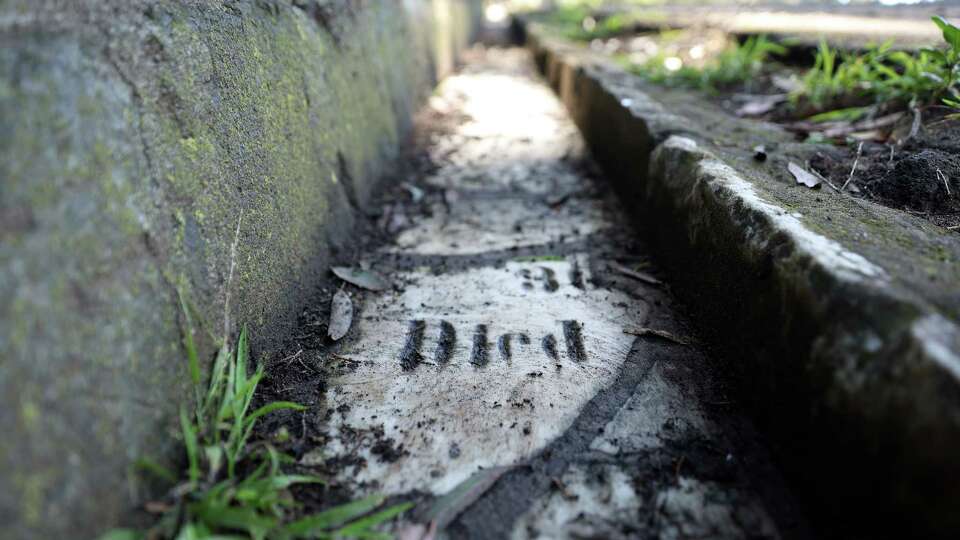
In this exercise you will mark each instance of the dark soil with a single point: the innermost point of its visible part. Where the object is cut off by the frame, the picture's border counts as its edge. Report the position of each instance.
(921, 176)
(918, 174)
(901, 172)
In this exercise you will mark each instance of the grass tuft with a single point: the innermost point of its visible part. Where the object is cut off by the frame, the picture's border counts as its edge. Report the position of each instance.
(581, 23)
(850, 83)
(737, 64)
(235, 487)
(883, 76)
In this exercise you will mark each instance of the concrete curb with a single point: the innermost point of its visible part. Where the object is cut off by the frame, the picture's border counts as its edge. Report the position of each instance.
(133, 136)
(854, 373)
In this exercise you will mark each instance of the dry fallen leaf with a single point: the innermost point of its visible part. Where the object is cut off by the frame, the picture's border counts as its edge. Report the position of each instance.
(803, 176)
(367, 279)
(761, 104)
(341, 315)
(788, 84)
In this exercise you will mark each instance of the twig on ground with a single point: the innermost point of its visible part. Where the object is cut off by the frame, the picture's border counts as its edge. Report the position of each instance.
(946, 181)
(854, 168)
(822, 178)
(641, 276)
(308, 368)
(839, 129)
(663, 334)
(293, 356)
(233, 263)
(915, 126)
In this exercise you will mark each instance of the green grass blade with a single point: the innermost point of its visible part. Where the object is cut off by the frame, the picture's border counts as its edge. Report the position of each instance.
(287, 480)
(154, 468)
(951, 34)
(274, 457)
(190, 441)
(192, 531)
(335, 517)
(241, 362)
(192, 360)
(850, 114)
(217, 378)
(364, 525)
(121, 534)
(219, 494)
(271, 407)
(234, 518)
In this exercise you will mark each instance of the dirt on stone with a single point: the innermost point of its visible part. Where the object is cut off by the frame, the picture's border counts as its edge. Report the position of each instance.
(921, 177)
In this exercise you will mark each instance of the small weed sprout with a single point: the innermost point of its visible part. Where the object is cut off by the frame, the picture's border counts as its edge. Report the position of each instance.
(234, 487)
(581, 24)
(854, 84)
(738, 63)
(882, 76)
(951, 60)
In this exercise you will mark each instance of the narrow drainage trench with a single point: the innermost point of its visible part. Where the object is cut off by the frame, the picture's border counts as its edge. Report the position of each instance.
(527, 344)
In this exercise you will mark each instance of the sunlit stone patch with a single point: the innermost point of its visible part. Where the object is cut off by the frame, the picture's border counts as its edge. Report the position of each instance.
(473, 369)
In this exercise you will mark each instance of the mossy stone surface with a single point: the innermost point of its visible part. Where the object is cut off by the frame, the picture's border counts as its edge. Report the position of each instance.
(134, 137)
(838, 317)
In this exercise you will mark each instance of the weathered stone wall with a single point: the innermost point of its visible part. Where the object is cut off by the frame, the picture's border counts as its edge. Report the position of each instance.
(133, 136)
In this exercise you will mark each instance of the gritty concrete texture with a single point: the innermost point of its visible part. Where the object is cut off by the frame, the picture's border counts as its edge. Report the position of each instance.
(508, 340)
(844, 313)
(135, 137)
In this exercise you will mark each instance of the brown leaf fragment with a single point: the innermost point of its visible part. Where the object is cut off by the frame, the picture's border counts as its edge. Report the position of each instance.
(641, 276)
(803, 176)
(874, 135)
(157, 507)
(556, 200)
(341, 315)
(366, 279)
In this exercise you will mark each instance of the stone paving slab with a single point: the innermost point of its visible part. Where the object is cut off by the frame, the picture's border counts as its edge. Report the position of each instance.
(851, 356)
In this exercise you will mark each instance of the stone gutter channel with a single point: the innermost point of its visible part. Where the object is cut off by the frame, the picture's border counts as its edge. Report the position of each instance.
(567, 309)
(528, 374)
(848, 352)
